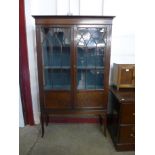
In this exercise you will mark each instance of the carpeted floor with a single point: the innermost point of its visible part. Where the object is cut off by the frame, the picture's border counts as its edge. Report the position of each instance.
(66, 139)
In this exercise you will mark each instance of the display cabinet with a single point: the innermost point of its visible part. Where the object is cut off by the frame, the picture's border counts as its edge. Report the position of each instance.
(73, 55)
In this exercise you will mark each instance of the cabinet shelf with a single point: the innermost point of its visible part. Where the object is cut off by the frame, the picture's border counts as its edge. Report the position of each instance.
(91, 67)
(57, 87)
(56, 67)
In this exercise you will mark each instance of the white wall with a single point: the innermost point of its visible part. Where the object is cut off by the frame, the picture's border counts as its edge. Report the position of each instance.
(32, 57)
(21, 119)
(122, 36)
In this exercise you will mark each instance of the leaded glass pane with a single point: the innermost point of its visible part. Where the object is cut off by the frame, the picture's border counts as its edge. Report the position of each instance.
(61, 79)
(81, 79)
(90, 79)
(81, 57)
(99, 57)
(90, 57)
(99, 79)
(56, 57)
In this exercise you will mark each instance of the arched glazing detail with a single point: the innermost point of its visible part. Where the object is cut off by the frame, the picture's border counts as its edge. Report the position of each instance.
(56, 57)
(91, 43)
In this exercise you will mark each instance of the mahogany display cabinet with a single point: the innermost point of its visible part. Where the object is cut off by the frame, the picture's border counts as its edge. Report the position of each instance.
(73, 57)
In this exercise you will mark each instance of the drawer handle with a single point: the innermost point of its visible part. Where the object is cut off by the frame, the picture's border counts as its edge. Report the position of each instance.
(132, 135)
(122, 99)
(133, 114)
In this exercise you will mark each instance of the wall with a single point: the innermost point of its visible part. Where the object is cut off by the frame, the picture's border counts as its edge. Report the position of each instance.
(122, 36)
(31, 43)
(21, 119)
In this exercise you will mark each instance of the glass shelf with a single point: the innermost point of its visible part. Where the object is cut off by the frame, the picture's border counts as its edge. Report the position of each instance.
(58, 87)
(56, 67)
(89, 67)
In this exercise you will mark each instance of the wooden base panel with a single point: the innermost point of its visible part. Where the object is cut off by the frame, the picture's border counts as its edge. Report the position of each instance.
(73, 120)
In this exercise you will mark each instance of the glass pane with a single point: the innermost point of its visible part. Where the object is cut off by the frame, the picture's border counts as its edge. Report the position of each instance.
(66, 80)
(48, 79)
(91, 55)
(56, 57)
(46, 53)
(57, 79)
(90, 79)
(66, 56)
(100, 57)
(99, 79)
(91, 43)
(81, 57)
(61, 79)
(56, 46)
(91, 37)
(81, 79)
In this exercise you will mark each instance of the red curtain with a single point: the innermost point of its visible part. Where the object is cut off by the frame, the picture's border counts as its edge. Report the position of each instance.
(24, 75)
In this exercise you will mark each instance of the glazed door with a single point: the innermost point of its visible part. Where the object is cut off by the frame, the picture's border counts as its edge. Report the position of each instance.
(57, 70)
(90, 47)
(74, 66)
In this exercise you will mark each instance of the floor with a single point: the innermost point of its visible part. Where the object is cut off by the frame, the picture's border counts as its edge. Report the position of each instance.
(66, 139)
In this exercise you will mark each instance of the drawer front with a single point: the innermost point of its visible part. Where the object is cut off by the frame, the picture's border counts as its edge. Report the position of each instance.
(127, 134)
(127, 113)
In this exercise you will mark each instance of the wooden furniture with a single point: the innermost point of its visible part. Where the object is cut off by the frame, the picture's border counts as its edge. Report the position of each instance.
(73, 55)
(121, 120)
(123, 75)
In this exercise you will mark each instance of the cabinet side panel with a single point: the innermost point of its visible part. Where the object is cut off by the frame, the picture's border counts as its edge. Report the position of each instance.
(40, 67)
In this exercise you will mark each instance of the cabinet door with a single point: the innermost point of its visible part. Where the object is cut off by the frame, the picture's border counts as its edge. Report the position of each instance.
(127, 75)
(56, 57)
(56, 53)
(90, 64)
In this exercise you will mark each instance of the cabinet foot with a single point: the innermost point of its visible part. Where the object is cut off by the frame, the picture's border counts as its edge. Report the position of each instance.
(42, 126)
(103, 121)
(47, 119)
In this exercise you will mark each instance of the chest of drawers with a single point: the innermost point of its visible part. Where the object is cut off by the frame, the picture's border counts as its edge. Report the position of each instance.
(121, 122)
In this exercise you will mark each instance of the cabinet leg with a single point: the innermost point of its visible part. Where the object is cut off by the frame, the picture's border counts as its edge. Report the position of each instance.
(105, 125)
(47, 119)
(100, 119)
(103, 122)
(42, 125)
